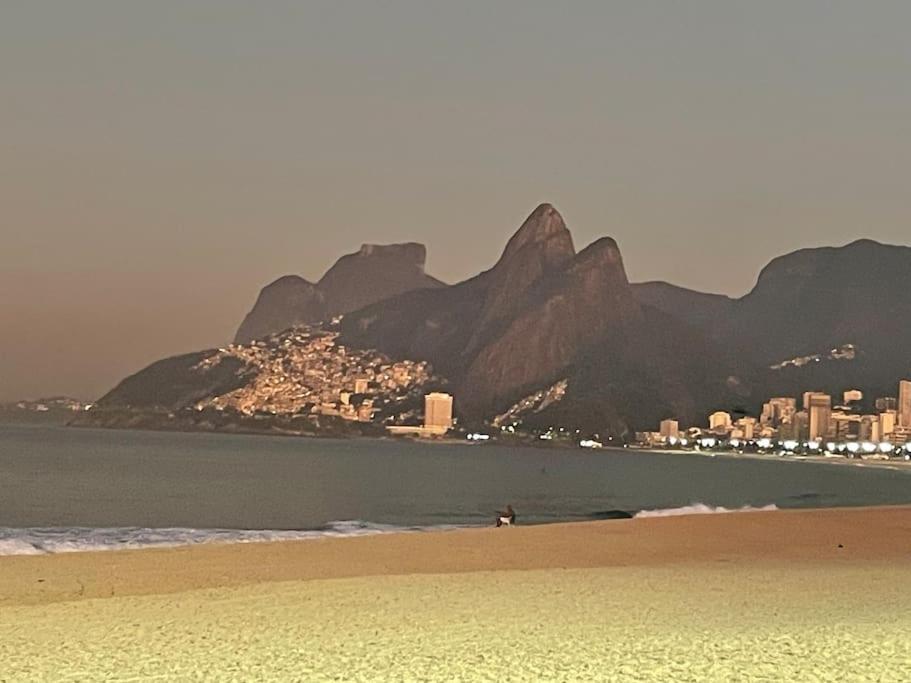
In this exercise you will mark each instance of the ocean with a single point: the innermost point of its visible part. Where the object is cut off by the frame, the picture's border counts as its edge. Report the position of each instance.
(66, 489)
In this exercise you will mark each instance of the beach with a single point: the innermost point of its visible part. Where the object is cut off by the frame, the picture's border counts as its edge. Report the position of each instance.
(783, 595)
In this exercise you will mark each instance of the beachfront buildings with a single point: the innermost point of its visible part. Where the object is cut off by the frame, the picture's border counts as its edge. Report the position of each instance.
(437, 418)
(669, 429)
(818, 425)
(819, 412)
(438, 411)
(720, 421)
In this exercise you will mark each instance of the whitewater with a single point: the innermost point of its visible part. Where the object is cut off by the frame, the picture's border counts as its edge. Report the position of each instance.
(50, 541)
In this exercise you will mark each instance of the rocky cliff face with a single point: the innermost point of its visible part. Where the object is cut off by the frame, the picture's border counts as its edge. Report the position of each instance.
(373, 273)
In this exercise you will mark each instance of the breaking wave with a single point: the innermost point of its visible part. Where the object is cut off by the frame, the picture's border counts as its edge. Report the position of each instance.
(700, 509)
(49, 541)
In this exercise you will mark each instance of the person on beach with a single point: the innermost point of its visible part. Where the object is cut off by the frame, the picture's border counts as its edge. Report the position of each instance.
(506, 517)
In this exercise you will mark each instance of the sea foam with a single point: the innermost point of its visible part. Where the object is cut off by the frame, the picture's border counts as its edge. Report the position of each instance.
(700, 509)
(47, 541)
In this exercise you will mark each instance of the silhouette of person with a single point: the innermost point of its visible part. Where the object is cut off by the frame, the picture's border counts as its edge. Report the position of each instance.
(506, 517)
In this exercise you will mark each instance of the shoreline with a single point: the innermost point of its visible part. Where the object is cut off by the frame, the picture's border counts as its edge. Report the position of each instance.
(862, 534)
(894, 464)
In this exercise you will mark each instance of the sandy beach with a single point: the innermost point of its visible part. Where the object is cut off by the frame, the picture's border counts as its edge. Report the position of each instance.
(784, 595)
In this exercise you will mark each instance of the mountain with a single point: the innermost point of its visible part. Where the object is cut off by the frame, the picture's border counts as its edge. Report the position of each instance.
(547, 336)
(373, 273)
(812, 301)
(806, 309)
(290, 300)
(544, 313)
(301, 380)
(696, 308)
(815, 299)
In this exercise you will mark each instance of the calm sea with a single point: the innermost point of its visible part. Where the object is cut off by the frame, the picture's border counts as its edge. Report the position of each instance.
(69, 489)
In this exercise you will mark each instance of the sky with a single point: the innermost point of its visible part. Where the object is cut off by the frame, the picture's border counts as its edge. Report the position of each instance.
(162, 161)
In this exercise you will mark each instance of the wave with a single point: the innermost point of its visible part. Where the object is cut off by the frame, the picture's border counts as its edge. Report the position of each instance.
(701, 509)
(49, 541)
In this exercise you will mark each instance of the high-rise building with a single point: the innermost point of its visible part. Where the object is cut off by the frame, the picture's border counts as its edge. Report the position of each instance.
(887, 422)
(438, 412)
(819, 412)
(776, 409)
(904, 403)
(669, 429)
(720, 421)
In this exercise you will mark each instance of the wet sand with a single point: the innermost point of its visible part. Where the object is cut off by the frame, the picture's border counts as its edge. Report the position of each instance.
(758, 595)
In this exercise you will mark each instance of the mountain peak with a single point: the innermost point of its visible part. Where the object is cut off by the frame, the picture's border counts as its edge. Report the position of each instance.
(601, 253)
(543, 225)
(408, 252)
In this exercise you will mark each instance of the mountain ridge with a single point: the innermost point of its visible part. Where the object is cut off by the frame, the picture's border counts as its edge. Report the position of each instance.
(355, 280)
(625, 355)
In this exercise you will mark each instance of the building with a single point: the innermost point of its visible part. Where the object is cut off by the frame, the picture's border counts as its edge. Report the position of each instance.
(720, 421)
(438, 412)
(819, 413)
(746, 427)
(852, 396)
(845, 426)
(776, 410)
(870, 428)
(669, 429)
(437, 418)
(886, 403)
(887, 422)
(904, 403)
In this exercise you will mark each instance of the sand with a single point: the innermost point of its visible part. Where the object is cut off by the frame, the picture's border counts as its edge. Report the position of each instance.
(745, 596)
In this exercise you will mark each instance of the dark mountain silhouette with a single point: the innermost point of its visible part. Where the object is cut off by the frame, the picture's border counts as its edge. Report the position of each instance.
(806, 304)
(290, 300)
(815, 299)
(696, 308)
(373, 273)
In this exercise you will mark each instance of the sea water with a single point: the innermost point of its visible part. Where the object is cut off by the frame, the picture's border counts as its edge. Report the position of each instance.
(66, 489)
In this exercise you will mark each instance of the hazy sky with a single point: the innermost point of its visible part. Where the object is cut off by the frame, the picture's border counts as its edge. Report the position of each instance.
(161, 161)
